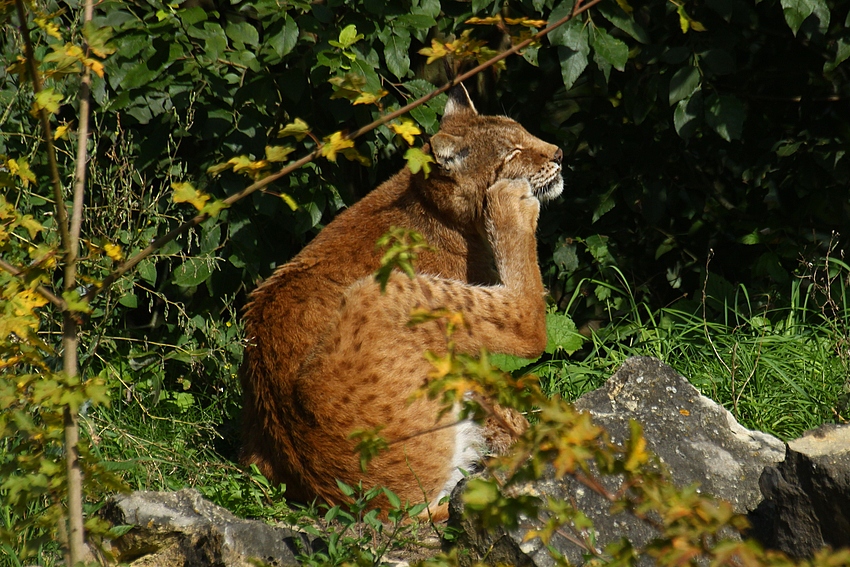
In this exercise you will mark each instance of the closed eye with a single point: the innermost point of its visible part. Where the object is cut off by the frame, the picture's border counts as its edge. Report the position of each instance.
(513, 153)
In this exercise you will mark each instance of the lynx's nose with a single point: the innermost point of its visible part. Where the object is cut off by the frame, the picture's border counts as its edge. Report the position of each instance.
(559, 155)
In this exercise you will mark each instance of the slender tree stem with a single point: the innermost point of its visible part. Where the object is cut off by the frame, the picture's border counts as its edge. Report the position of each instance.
(163, 240)
(70, 336)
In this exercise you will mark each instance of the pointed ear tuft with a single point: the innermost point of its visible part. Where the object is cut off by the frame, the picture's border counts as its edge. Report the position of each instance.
(459, 103)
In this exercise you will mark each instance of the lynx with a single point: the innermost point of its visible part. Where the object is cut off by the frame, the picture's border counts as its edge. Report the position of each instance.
(329, 353)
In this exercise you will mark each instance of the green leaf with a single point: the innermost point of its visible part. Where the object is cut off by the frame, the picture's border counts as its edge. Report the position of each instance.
(562, 334)
(192, 272)
(147, 271)
(430, 7)
(76, 303)
(344, 488)
(347, 37)
(417, 159)
(684, 83)
(243, 32)
(573, 63)
(597, 245)
(557, 35)
(606, 203)
(193, 15)
(393, 499)
(565, 257)
(725, 114)
(797, 11)
(427, 118)
(752, 238)
(841, 54)
(666, 246)
(610, 48)
(478, 5)
(417, 21)
(508, 362)
(395, 52)
(129, 300)
(285, 40)
(617, 16)
(687, 115)
(480, 493)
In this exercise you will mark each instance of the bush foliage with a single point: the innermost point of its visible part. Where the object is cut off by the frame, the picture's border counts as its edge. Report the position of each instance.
(704, 142)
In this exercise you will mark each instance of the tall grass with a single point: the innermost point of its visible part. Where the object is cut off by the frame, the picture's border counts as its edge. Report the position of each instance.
(781, 370)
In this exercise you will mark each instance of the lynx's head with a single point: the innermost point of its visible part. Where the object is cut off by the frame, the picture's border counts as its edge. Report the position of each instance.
(474, 151)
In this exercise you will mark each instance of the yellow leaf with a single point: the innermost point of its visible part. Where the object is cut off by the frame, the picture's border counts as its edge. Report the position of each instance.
(214, 207)
(245, 165)
(370, 98)
(186, 193)
(95, 65)
(48, 100)
(484, 21)
(352, 154)
(32, 225)
(407, 130)
(289, 201)
(278, 153)
(335, 143)
(526, 22)
(297, 129)
(624, 4)
(113, 251)
(50, 28)
(437, 51)
(21, 169)
(218, 169)
(62, 131)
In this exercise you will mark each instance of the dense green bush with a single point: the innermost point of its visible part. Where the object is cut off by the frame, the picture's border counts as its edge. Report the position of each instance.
(704, 143)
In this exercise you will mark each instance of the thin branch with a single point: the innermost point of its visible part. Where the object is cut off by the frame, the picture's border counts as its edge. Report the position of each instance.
(165, 239)
(43, 291)
(62, 214)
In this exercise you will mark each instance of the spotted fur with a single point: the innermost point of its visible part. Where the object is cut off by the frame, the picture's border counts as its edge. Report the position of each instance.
(329, 353)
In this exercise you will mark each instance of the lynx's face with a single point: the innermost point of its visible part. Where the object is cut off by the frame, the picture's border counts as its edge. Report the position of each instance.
(473, 152)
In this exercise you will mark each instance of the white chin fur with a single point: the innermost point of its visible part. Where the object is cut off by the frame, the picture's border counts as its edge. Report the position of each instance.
(551, 190)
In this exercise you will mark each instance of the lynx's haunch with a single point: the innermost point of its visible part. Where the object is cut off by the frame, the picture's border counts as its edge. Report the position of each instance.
(329, 353)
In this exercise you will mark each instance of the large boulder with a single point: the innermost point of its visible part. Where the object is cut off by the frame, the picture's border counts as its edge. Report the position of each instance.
(807, 496)
(182, 529)
(697, 440)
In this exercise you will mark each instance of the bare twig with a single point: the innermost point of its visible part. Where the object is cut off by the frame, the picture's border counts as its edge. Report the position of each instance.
(163, 240)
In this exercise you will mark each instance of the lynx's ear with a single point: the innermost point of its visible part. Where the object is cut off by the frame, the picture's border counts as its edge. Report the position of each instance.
(448, 150)
(459, 103)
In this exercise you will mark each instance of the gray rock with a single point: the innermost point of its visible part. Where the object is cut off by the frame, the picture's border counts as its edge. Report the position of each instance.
(183, 529)
(697, 440)
(807, 496)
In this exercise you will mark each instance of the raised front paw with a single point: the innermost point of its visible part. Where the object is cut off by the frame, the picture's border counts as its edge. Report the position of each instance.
(511, 204)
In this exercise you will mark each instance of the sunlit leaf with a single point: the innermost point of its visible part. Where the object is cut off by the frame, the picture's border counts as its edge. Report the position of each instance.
(278, 153)
(186, 193)
(298, 129)
(418, 160)
(334, 144)
(407, 130)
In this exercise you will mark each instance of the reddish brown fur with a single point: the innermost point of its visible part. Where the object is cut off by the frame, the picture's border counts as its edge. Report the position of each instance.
(328, 353)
